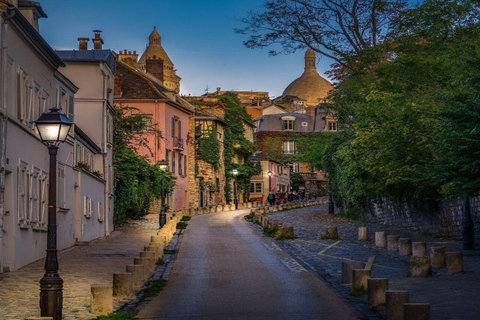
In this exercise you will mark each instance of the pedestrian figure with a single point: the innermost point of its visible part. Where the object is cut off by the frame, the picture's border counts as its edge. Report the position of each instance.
(271, 199)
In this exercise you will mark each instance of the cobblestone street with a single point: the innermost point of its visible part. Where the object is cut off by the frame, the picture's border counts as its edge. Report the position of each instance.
(451, 296)
(80, 267)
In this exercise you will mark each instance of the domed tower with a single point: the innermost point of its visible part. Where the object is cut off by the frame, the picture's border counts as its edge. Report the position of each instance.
(310, 86)
(156, 62)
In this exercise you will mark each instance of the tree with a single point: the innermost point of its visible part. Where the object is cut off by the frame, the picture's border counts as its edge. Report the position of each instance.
(410, 131)
(136, 181)
(337, 29)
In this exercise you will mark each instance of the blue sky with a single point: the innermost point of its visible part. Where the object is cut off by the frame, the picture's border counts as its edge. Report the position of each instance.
(197, 35)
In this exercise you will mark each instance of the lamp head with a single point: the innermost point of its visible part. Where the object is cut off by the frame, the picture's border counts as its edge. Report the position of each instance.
(53, 127)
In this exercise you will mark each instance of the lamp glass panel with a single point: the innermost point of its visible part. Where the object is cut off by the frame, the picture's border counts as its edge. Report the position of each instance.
(64, 129)
(48, 132)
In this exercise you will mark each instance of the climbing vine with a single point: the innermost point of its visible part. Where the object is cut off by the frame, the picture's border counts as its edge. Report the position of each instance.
(209, 147)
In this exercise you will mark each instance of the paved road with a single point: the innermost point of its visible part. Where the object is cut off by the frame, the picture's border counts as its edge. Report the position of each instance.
(226, 269)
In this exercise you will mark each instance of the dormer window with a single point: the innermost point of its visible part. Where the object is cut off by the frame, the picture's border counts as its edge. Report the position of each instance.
(332, 126)
(288, 123)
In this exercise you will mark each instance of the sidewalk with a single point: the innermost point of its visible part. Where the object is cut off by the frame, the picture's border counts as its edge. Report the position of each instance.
(80, 267)
(451, 296)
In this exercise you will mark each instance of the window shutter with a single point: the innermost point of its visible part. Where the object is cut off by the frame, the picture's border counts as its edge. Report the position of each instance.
(179, 129)
(173, 127)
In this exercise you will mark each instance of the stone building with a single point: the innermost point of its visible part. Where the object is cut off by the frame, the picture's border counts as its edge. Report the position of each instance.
(277, 182)
(156, 61)
(207, 181)
(310, 87)
(246, 97)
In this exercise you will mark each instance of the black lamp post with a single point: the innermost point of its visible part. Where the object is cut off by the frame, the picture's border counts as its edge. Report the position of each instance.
(331, 204)
(162, 219)
(235, 198)
(53, 128)
(269, 173)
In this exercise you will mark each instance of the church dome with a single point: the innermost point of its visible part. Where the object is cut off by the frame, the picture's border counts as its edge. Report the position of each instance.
(310, 85)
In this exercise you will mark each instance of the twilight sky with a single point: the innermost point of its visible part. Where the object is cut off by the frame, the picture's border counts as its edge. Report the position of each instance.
(197, 35)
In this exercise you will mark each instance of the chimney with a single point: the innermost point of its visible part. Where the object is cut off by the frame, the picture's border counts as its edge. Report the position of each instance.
(83, 43)
(155, 68)
(97, 41)
(128, 57)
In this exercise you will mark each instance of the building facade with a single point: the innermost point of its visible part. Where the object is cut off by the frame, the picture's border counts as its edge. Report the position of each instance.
(273, 178)
(33, 81)
(168, 116)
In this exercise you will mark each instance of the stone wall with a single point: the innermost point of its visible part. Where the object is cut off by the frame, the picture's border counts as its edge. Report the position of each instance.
(444, 222)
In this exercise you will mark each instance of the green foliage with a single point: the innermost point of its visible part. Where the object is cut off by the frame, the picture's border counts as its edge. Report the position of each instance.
(209, 147)
(410, 129)
(136, 182)
(168, 251)
(153, 289)
(128, 315)
(186, 218)
(182, 225)
(235, 141)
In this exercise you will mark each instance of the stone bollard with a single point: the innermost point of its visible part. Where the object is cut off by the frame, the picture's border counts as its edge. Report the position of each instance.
(101, 300)
(154, 249)
(395, 299)
(404, 246)
(146, 266)
(376, 288)
(416, 311)
(392, 242)
(437, 257)
(138, 274)
(419, 249)
(380, 239)
(363, 234)
(454, 262)
(420, 267)
(347, 267)
(148, 254)
(122, 285)
(359, 281)
(331, 232)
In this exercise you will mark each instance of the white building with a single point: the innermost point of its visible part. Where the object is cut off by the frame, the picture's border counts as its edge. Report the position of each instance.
(31, 82)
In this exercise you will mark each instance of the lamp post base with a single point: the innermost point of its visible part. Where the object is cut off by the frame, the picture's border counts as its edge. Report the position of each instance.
(51, 295)
(163, 219)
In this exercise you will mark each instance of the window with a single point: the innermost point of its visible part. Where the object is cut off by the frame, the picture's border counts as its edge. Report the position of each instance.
(100, 211)
(180, 172)
(87, 207)
(61, 203)
(109, 129)
(294, 167)
(173, 161)
(23, 91)
(179, 128)
(256, 187)
(332, 126)
(289, 147)
(288, 124)
(279, 169)
(34, 195)
(174, 122)
(71, 108)
(148, 121)
(167, 157)
(11, 88)
(43, 200)
(22, 190)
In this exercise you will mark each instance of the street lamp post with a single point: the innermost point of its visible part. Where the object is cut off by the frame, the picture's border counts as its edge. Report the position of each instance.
(162, 218)
(235, 198)
(269, 173)
(53, 128)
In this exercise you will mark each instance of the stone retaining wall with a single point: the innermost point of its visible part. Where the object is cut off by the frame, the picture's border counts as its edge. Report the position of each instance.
(445, 222)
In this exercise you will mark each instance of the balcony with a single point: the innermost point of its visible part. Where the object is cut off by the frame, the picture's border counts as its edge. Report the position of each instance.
(312, 176)
(177, 143)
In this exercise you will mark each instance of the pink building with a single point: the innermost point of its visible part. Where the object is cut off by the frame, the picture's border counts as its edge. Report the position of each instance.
(168, 117)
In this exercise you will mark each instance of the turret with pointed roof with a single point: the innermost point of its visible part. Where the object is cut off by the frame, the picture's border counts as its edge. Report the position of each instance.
(158, 57)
